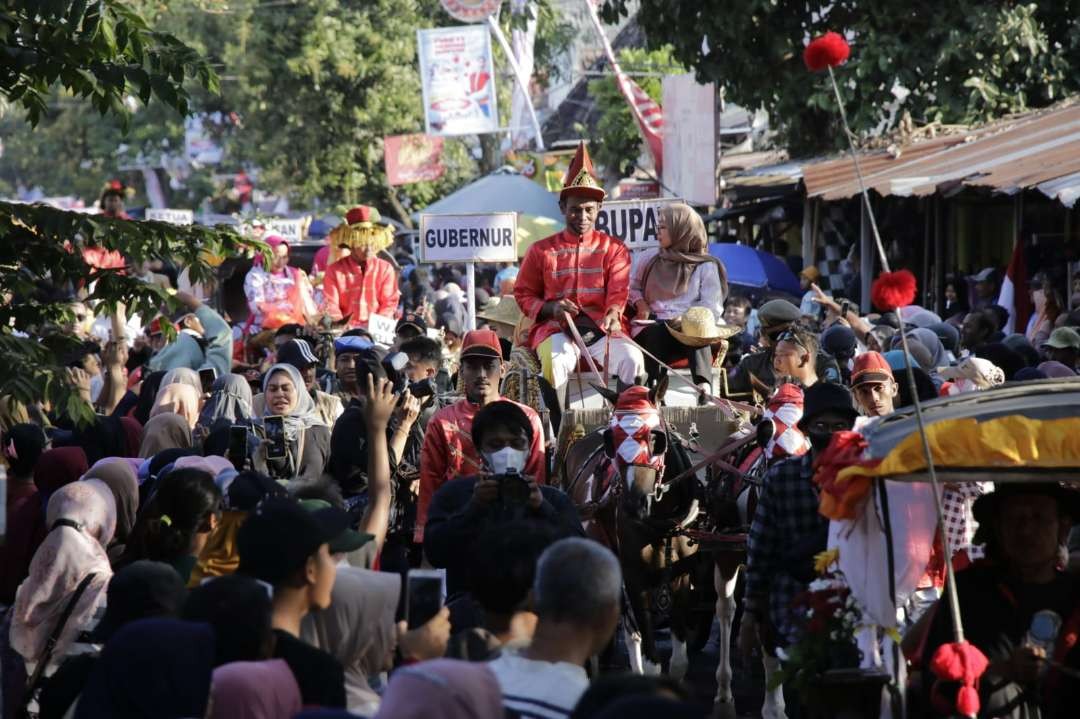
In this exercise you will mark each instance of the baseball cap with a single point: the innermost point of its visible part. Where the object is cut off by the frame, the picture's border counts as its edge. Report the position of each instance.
(352, 343)
(1063, 338)
(279, 535)
(985, 274)
(412, 319)
(870, 367)
(349, 540)
(481, 343)
(297, 353)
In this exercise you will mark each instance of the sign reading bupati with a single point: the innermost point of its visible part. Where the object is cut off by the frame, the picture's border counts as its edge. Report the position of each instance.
(290, 230)
(175, 217)
(458, 80)
(470, 10)
(490, 237)
(632, 221)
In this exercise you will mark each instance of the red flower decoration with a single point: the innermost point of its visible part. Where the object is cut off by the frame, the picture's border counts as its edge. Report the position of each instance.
(829, 50)
(892, 290)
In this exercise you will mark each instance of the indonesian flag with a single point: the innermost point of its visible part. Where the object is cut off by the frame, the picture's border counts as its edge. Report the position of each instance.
(1014, 294)
(649, 115)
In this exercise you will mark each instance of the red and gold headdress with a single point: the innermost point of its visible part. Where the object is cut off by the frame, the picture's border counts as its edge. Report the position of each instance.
(581, 179)
(362, 229)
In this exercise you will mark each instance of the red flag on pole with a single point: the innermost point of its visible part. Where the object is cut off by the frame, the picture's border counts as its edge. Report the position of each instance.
(1014, 295)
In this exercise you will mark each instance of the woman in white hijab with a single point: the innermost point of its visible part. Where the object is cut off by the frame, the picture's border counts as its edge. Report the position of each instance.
(306, 436)
(358, 630)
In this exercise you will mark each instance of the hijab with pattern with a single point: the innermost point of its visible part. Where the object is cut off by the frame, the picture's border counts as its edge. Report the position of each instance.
(668, 274)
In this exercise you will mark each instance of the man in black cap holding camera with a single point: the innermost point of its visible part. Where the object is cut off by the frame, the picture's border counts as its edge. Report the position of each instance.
(787, 530)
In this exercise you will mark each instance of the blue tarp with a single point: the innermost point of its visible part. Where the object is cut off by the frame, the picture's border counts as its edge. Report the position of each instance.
(500, 191)
(748, 267)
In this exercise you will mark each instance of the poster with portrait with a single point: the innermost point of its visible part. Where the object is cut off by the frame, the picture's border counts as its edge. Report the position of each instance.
(458, 79)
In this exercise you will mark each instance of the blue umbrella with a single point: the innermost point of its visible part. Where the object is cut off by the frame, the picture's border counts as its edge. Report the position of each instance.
(754, 268)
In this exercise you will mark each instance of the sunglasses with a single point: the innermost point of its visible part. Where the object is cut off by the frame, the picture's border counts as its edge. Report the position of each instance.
(792, 338)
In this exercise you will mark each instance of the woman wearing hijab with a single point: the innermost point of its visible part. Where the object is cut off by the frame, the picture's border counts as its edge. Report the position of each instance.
(119, 476)
(278, 295)
(165, 431)
(442, 689)
(229, 403)
(358, 630)
(669, 280)
(152, 669)
(254, 690)
(182, 375)
(306, 438)
(178, 399)
(81, 521)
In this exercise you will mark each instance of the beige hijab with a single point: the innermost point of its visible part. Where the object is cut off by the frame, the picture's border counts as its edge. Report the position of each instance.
(164, 431)
(358, 630)
(179, 399)
(668, 274)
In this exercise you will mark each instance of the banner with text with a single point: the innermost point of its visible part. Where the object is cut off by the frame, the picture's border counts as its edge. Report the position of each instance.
(489, 237)
(175, 217)
(632, 221)
(458, 79)
(290, 230)
(412, 158)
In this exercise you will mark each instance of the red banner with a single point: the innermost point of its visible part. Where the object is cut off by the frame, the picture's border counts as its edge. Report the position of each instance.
(412, 158)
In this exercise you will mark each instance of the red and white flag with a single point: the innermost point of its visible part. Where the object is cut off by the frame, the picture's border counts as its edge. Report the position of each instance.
(1014, 295)
(649, 115)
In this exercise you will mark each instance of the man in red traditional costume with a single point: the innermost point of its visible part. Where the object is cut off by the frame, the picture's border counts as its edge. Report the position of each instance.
(585, 274)
(361, 284)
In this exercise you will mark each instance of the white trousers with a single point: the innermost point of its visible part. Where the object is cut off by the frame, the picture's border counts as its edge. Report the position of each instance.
(625, 360)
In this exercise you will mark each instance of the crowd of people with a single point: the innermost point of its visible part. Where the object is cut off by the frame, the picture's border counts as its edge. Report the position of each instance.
(236, 532)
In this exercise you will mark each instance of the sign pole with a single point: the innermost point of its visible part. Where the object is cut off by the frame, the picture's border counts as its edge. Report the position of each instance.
(470, 278)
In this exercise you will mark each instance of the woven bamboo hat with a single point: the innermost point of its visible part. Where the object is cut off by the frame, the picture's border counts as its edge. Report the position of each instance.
(697, 328)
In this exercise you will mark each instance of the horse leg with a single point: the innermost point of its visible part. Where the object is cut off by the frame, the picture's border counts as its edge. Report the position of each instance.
(632, 637)
(773, 708)
(725, 579)
(680, 619)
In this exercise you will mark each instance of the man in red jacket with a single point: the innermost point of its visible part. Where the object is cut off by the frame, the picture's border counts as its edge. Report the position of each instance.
(448, 450)
(585, 274)
(361, 284)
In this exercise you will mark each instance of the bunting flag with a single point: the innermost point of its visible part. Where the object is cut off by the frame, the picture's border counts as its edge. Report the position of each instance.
(1014, 295)
(647, 113)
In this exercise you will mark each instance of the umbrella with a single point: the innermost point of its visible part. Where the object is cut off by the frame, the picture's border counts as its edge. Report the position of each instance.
(501, 191)
(754, 268)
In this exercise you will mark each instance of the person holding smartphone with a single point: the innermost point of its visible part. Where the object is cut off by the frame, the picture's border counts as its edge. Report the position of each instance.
(294, 440)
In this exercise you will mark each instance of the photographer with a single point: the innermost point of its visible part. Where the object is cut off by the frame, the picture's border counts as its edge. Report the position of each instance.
(502, 491)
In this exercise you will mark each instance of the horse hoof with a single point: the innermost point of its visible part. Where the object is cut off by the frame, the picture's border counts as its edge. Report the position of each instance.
(677, 669)
(652, 670)
(773, 713)
(724, 710)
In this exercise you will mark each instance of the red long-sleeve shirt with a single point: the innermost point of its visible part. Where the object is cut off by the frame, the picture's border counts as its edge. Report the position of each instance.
(448, 452)
(592, 270)
(349, 289)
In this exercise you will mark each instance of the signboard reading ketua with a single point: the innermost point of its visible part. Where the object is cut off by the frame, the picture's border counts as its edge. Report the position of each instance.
(487, 237)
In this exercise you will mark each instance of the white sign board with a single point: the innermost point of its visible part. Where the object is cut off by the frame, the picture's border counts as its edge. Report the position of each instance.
(690, 139)
(458, 80)
(290, 230)
(490, 237)
(382, 329)
(176, 217)
(632, 221)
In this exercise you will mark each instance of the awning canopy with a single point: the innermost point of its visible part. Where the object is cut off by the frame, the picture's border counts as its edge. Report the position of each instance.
(502, 191)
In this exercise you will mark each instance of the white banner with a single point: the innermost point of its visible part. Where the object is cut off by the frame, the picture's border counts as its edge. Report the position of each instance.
(489, 237)
(176, 217)
(383, 329)
(290, 230)
(458, 79)
(522, 41)
(632, 221)
(690, 139)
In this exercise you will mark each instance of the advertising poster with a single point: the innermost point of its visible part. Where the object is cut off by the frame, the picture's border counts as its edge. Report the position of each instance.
(458, 80)
(412, 158)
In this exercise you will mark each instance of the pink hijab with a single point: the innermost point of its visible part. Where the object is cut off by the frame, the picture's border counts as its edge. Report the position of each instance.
(254, 690)
(442, 689)
(62, 561)
(181, 399)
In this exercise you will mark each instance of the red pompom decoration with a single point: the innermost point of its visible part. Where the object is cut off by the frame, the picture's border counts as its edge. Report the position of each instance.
(892, 290)
(829, 50)
(964, 663)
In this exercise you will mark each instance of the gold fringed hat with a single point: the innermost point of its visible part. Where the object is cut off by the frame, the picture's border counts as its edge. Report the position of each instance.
(581, 178)
(362, 228)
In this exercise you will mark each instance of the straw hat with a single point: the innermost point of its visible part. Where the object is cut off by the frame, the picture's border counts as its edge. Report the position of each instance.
(503, 310)
(697, 328)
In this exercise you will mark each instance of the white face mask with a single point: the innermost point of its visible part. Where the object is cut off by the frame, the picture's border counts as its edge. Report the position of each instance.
(506, 460)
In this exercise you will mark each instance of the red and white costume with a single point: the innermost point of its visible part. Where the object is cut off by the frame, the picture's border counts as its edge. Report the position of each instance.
(354, 286)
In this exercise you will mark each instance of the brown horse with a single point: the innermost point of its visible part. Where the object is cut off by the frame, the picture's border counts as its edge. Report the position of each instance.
(616, 477)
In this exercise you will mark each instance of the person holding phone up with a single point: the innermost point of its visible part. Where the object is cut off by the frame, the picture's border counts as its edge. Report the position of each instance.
(294, 441)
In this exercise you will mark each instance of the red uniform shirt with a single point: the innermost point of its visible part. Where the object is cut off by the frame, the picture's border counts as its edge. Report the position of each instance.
(349, 289)
(593, 271)
(448, 452)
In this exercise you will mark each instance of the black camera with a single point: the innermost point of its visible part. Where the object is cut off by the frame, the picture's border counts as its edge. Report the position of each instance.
(514, 489)
(394, 366)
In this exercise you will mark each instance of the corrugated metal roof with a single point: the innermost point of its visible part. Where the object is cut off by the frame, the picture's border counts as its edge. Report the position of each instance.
(1040, 150)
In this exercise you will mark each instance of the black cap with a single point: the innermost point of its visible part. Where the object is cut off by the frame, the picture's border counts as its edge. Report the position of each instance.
(141, 590)
(413, 319)
(279, 535)
(822, 397)
(297, 353)
(248, 488)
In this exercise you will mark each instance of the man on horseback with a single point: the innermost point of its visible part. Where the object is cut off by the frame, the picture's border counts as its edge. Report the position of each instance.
(448, 450)
(584, 274)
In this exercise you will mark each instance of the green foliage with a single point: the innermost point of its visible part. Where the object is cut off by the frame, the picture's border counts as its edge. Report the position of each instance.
(964, 61)
(619, 141)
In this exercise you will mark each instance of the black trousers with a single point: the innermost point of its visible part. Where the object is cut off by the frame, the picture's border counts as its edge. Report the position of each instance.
(657, 340)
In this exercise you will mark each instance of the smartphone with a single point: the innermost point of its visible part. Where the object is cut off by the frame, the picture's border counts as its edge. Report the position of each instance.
(207, 375)
(424, 596)
(275, 437)
(238, 446)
